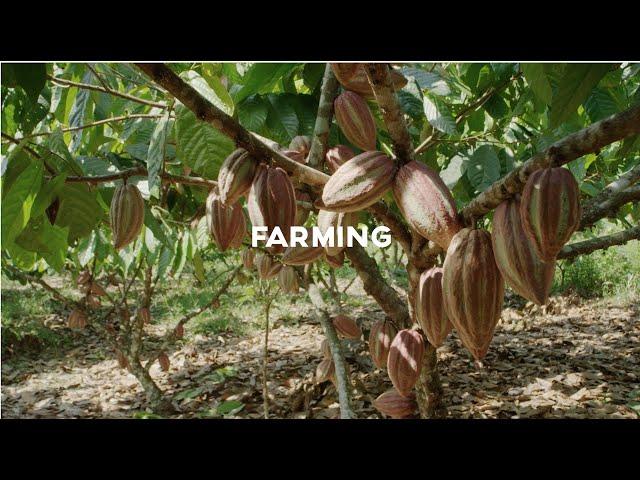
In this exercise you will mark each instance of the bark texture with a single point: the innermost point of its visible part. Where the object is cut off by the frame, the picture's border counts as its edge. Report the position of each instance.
(582, 248)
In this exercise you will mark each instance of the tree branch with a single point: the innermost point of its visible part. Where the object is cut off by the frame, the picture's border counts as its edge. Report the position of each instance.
(120, 118)
(594, 212)
(32, 279)
(581, 248)
(319, 141)
(142, 172)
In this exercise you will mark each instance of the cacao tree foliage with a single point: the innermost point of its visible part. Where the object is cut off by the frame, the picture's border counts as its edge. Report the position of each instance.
(66, 120)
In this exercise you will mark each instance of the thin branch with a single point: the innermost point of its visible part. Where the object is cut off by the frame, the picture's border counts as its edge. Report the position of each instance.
(588, 246)
(30, 151)
(592, 213)
(120, 118)
(98, 77)
(319, 140)
(32, 279)
(142, 172)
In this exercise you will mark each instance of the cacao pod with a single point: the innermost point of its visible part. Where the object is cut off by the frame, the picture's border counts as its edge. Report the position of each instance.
(345, 72)
(97, 289)
(145, 315)
(77, 319)
(355, 120)
(301, 144)
(335, 261)
(272, 201)
(550, 209)
(236, 175)
(394, 405)
(473, 289)
(325, 370)
(126, 215)
(346, 327)
(430, 311)
(300, 255)
(381, 335)
(93, 302)
(248, 258)
(288, 280)
(426, 203)
(83, 277)
(179, 331)
(295, 155)
(516, 257)
(163, 360)
(355, 79)
(267, 266)
(404, 363)
(338, 155)
(302, 213)
(325, 348)
(339, 222)
(122, 360)
(223, 221)
(241, 233)
(359, 182)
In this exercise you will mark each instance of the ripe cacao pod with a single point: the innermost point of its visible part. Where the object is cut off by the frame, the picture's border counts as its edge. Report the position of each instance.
(145, 315)
(325, 348)
(426, 203)
(346, 327)
(126, 215)
(288, 280)
(359, 182)
(92, 301)
(267, 266)
(338, 155)
(355, 79)
(345, 72)
(430, 311)
(179, 331)
(394, 405)
(473, 289)
(295, 155)
(339, 222)
(550, 209)
(236, 175)
(97, 289)
(223, 221)
(516, 257)
(240, 235)
(248, 258)
(302, 213)
(404, 363)
(302, 145)
(122, 360)
(300, 255)
(77, 319)
(381, 335)
(335, 261)
(163, 360)
(355, 120)
(272, 202)
(325, 370)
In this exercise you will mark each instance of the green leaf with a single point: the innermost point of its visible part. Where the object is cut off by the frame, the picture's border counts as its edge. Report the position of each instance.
(439, 116)
(230, 407)
(155, 156)
(48, 240)
(252, 113)
(261, 78)
(537, 79)
(211, 89)
(79, 210)
(30, 77)
(18, 200)
(61, 157)
(496, 107)
(46, 195)
(198, 267)
(87, 249)
(430, 81)
(282, 119)
(312, 74)
(600, 104)
(483, 168)
(454, 171)
(574, 88)
(78, 112)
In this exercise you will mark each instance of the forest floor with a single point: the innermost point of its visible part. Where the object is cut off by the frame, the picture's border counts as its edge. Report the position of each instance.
(573, 359)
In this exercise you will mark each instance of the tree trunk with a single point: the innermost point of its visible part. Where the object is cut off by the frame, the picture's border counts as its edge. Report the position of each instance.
(159, 402)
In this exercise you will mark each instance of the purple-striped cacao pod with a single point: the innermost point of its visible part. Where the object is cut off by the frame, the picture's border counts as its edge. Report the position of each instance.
(473, 289)
(236, 175)
(346, 327)
(288, 280)
(302, 145)
(178, 332)
(338, 155)
(164, 362)
(394, 405)
(519, 263)
(325, 370)
(550, 209)
(300, 255)
(325, 348)
(340, 222)
(302, 213)
(404, 363)
(355, 79)
(381, 335)
(267, 266)
(335, 261)
(241, 233)
(248, 258)
(223, 221)
(145, 315)
(426, 203)
(345, 72)
(355, 120)
(359, 183)
(77, 319)
(430, 311)
(126, 215)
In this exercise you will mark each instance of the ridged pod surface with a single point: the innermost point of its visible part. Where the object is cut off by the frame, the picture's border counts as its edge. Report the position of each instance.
(248, 258)
(266, 265)
(430, 310)
(346, 327)
(359, 182)
(126, 215)
(325, 370)
(300, 255)
(77, 319)
(519, 263)
(473, 289)
(241, 233)
(339, 221)
(345, 72)
(325, 348)
(353, 77)
(302, 213)
(236, 175)
(223, 221)
(338, 155)
(164, 362)
(272, 201)
(355, 120)
(550, 209)
(381, 335)
(426, 203)
(404, 363)
(394, 405)
(288, 280)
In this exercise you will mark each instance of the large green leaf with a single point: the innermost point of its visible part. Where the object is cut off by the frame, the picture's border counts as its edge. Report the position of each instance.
(438, 115)
(30, 76)
(252, 113)
(536, 77)
(18, 200)
(261, 78)
(454, 171)
(483, 168)
(49, 241)
(211, 89)
(46, 194)
(600, 104)
(282, 119)
(79, 210)
(78, 112)
(155, 156)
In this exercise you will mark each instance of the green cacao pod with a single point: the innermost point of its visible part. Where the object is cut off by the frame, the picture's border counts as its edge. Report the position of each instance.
(338, 155)
(223, 221)
(473, 289)
(288, 280)
(359, 183)
(551, 211)
(519, 263)
(339, 222)
(394, 405)
(346, 327)
(426, 203)
(404, 363)
(236, 175)
(77, 319)
(355, 120)
(381, 335)
(126, 215)
(429, 308)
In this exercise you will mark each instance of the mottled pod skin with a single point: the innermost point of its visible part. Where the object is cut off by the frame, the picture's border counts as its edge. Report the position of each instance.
(300, 255)
(336, 220)
(355, 120)
(519, 263)
(353, 77)
(404, 363)
(381, 335)
(288, 280)
(473, 289)
(267, 267)
(394, 405)
(236, 175)
(346, 327)
(223, 221)
(551, 211)
(325, 370)
(126, 215)
(426, 203)
(272, 201)
(338, 155)
(430, 310)
(77, 319)
(248, 258)
(359, 182)
(241, 233)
